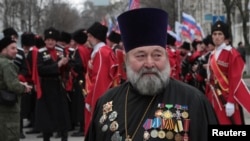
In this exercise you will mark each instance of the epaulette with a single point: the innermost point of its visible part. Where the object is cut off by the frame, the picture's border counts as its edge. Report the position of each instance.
(31, 48)
(59, 48)
(19, 48)
(71, 49)
(19, 56)
(42, 49)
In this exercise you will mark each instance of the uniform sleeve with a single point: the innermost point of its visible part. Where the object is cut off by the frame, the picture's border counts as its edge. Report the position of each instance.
(235, 71)
(11, 79)
(47, 68)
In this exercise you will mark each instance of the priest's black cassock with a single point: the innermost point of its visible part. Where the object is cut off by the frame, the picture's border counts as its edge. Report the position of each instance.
(179, 110)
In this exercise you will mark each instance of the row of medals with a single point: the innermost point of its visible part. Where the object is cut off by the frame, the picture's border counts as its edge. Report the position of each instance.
(169, 123)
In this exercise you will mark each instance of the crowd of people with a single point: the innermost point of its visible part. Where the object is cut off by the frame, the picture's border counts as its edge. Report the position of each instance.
(135, 84)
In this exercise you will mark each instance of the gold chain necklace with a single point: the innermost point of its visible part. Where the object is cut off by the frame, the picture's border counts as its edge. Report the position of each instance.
(128, 138)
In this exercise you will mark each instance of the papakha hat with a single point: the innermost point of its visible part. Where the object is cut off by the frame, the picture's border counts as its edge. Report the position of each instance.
(5, 42)
(114, 37)
(80, 36)
(99, 31)
(65, 37)
(221, 26)
(9, 32)
(51, 33)
(143, 27)
(28, 39)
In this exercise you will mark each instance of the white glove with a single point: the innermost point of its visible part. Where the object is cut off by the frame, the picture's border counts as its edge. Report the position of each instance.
(230, 108)
(87, 106)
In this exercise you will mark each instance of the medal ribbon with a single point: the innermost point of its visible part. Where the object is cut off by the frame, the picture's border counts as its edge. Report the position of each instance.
(156, 122)
(148, 124)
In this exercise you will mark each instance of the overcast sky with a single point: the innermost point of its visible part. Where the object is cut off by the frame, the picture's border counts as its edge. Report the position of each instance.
(77, 3)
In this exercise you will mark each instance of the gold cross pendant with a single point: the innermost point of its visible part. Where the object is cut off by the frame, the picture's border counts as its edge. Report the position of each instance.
(128, 138)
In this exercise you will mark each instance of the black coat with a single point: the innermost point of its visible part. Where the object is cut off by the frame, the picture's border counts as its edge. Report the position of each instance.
(52, 111)
(178, 97)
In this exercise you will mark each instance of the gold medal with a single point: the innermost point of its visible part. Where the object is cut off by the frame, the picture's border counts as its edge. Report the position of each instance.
(169, 135)
(184, 114)
(146, 135)
(178, 137)
(161, 134)
(167, 114)
(154, 133)
(114, 126)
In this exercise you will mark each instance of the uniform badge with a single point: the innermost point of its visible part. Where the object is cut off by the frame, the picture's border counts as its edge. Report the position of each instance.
(146, 135)
(103, 118)
(104, 128)
(113, 116)
(114, 126)
(108, 107)
(116, 136)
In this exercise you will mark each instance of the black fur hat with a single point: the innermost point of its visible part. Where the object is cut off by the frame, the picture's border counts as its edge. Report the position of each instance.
(65, 37)
(80, 36)
(9, 32)
(171, 39)
(5, 42)
(114, 37)
(221, 26)
(99, 31)
(51, 33)
(28, 39)
(185, 45)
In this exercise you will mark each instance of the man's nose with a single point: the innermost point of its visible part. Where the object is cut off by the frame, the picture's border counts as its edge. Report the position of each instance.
(149, 63)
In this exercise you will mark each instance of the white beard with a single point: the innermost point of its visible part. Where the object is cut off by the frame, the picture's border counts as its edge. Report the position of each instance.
(149, 85)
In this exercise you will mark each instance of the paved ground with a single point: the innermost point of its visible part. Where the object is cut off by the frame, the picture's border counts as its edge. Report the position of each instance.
(33, 137)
